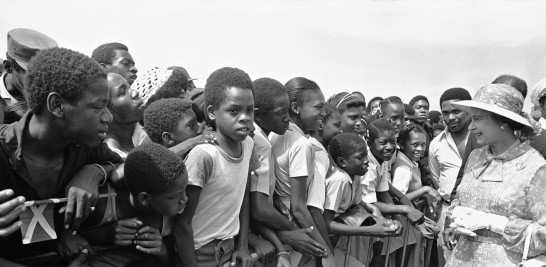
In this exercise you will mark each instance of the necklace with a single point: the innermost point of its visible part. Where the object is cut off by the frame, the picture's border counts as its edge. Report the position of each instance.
(501, 155)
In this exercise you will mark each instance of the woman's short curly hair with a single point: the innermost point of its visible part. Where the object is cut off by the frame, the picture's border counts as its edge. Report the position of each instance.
(61, 70)
(163, 116)
(152, 168)
(222, 79)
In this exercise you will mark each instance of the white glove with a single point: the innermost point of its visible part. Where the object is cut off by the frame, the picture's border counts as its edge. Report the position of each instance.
(473, 220)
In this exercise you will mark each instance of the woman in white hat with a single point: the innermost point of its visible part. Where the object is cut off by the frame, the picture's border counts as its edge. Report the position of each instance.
(501, 198)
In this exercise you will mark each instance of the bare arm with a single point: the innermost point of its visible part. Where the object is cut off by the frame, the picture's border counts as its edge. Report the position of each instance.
(263, 212)
(318, 219)
(381, 228)
(299, 208)
(183, 231)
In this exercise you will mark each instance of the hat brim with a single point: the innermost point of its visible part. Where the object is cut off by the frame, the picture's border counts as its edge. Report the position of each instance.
(22, 64)
(466, 105)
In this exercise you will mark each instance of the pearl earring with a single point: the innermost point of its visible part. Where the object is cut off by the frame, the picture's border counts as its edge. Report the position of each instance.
(502, 127)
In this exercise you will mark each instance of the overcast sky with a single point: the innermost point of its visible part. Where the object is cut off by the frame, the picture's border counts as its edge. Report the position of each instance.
(381, 48)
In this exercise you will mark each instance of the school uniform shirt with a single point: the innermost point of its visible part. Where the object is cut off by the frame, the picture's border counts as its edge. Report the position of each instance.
(406, 176)
(342, 192)
(316, 193)
(376, 179)
(263, 178)
(294, 157)
(445, 162)
(15, 175)
(222, 180)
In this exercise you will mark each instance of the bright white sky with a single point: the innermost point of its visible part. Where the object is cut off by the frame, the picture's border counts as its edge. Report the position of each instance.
(382, 48)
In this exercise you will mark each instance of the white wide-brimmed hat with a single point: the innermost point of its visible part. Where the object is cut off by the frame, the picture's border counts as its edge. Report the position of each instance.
(500, 99)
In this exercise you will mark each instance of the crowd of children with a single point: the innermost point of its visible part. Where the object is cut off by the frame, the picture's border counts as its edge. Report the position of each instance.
(239, 173)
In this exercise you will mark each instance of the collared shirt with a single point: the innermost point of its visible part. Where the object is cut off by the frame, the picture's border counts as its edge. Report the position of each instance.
(15, 176)
(263, 179)
(341, 191)
(376, 179)
(406, 176)
(445, 162)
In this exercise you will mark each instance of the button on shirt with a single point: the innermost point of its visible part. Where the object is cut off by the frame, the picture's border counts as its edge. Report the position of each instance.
(445, 162)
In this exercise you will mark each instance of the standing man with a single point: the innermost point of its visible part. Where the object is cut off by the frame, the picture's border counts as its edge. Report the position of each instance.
(23, 44)
(448, 152)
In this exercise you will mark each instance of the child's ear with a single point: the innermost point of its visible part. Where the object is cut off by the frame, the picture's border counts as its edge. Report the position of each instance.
(54, 104)
(210, 112)
(167, 138)
(341, 162)
(258, 114)
(294, 107)
(144, 199)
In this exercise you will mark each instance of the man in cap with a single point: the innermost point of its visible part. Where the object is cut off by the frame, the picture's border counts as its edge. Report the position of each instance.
(23, 44)
(191, 85)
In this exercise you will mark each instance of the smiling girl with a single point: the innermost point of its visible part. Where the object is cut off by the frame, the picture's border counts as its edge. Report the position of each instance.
(405, 170)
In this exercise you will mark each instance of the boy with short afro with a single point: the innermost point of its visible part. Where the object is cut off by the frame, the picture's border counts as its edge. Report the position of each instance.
(344, 211)
(213, 229)
(56, 150)
(156, 181)
(172, 123)
(271, 115)
(115, 57)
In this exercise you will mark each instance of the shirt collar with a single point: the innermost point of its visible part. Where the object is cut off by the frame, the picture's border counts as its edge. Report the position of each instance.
(13, 136)
(258, 130)
(345, 174)
(406, 159)
(295, 128)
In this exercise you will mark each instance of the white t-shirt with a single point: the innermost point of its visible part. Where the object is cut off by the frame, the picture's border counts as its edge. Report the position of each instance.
(316, 193)
(223, 181)
(294, 156)
(263, 179)
(341, 191)
(375, 180)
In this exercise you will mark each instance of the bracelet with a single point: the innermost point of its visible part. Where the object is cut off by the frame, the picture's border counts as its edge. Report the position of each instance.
(283, 253)
(104, 172)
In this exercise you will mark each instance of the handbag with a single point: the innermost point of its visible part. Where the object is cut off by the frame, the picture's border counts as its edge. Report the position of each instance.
(538, 261)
